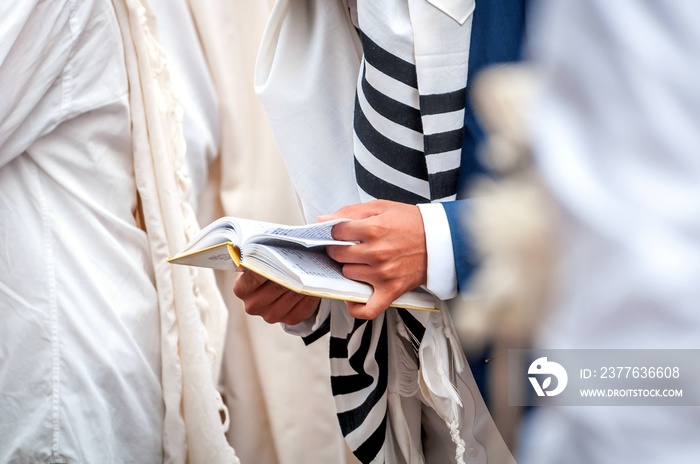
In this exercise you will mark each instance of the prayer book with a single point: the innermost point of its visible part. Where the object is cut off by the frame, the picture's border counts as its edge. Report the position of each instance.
(292, 256)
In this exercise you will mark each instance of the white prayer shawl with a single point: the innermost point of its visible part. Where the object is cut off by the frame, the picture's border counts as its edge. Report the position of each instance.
(192, 313)
(306, 76)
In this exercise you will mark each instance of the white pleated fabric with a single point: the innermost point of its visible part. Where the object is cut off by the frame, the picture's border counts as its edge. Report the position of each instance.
(192, 313)
(402, 388)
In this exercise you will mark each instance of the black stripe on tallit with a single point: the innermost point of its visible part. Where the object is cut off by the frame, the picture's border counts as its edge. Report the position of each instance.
(443, 142)
(394, 110)
(443, 184)
(389, 152)
(381, 189)
(345, 384)
(368, 450)
(443, 102)
(339, 346)
(389, 64)
(414, 327)
(353, 418)
(342, 385)
(318, 333)
(411, 323)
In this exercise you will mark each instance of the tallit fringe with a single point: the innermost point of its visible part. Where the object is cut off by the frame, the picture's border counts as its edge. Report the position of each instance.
(408, 373)
(192, 311)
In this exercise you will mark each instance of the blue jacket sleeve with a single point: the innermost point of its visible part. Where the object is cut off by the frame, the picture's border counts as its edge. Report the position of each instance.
(498, 31)
(464, 254)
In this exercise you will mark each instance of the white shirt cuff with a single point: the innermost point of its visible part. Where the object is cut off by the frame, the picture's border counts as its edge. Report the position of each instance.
(442, 275)
(310, 325)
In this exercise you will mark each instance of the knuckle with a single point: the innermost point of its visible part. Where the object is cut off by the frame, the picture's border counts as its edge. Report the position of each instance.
(394, 289)
(336, 253)
(239, 288)
(292, 318)
(374, 230)
(374, 313)
(251, 308)
(238, 291)
(380, 203)
(381, 254)
(269, 317)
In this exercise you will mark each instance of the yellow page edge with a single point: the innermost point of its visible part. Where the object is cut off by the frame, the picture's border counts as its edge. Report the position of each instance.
(316, 294)
(235, 254)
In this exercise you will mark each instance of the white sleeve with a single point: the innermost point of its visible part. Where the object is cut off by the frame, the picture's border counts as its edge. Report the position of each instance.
(442, 275)
(35, 45)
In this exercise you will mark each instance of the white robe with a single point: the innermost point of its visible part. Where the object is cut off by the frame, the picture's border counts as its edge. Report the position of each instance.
(86, 375)
(80, 356)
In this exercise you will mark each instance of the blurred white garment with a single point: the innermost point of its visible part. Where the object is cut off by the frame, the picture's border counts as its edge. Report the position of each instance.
(616, 138)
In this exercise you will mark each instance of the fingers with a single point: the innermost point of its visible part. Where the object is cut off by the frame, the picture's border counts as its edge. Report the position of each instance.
(302, 310)
(273, 302)
(347, 254)
(391, 255)
(289, 307)
(356, 211)
(247, 283)
(378, 303)
(363, 273)
(359, 230)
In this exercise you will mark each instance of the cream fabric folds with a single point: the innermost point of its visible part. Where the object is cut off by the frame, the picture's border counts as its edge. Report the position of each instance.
(276, 389)
(192, 314)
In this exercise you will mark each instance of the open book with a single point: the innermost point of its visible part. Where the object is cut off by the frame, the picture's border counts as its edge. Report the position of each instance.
(292, 256)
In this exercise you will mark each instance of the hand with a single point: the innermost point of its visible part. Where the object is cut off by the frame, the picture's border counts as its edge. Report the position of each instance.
(271, 301)
(391, 255)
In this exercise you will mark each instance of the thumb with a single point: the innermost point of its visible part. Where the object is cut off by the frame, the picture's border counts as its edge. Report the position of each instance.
(377, 304)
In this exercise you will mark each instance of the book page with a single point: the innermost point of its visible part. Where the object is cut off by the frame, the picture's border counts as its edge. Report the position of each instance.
(214, 257)
(310, 235)
(309, 263)
(226, 229)
(312, 267)
(317, 274)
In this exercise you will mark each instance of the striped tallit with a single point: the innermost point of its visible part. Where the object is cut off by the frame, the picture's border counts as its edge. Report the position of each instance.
(402, 390)
(407, 148)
